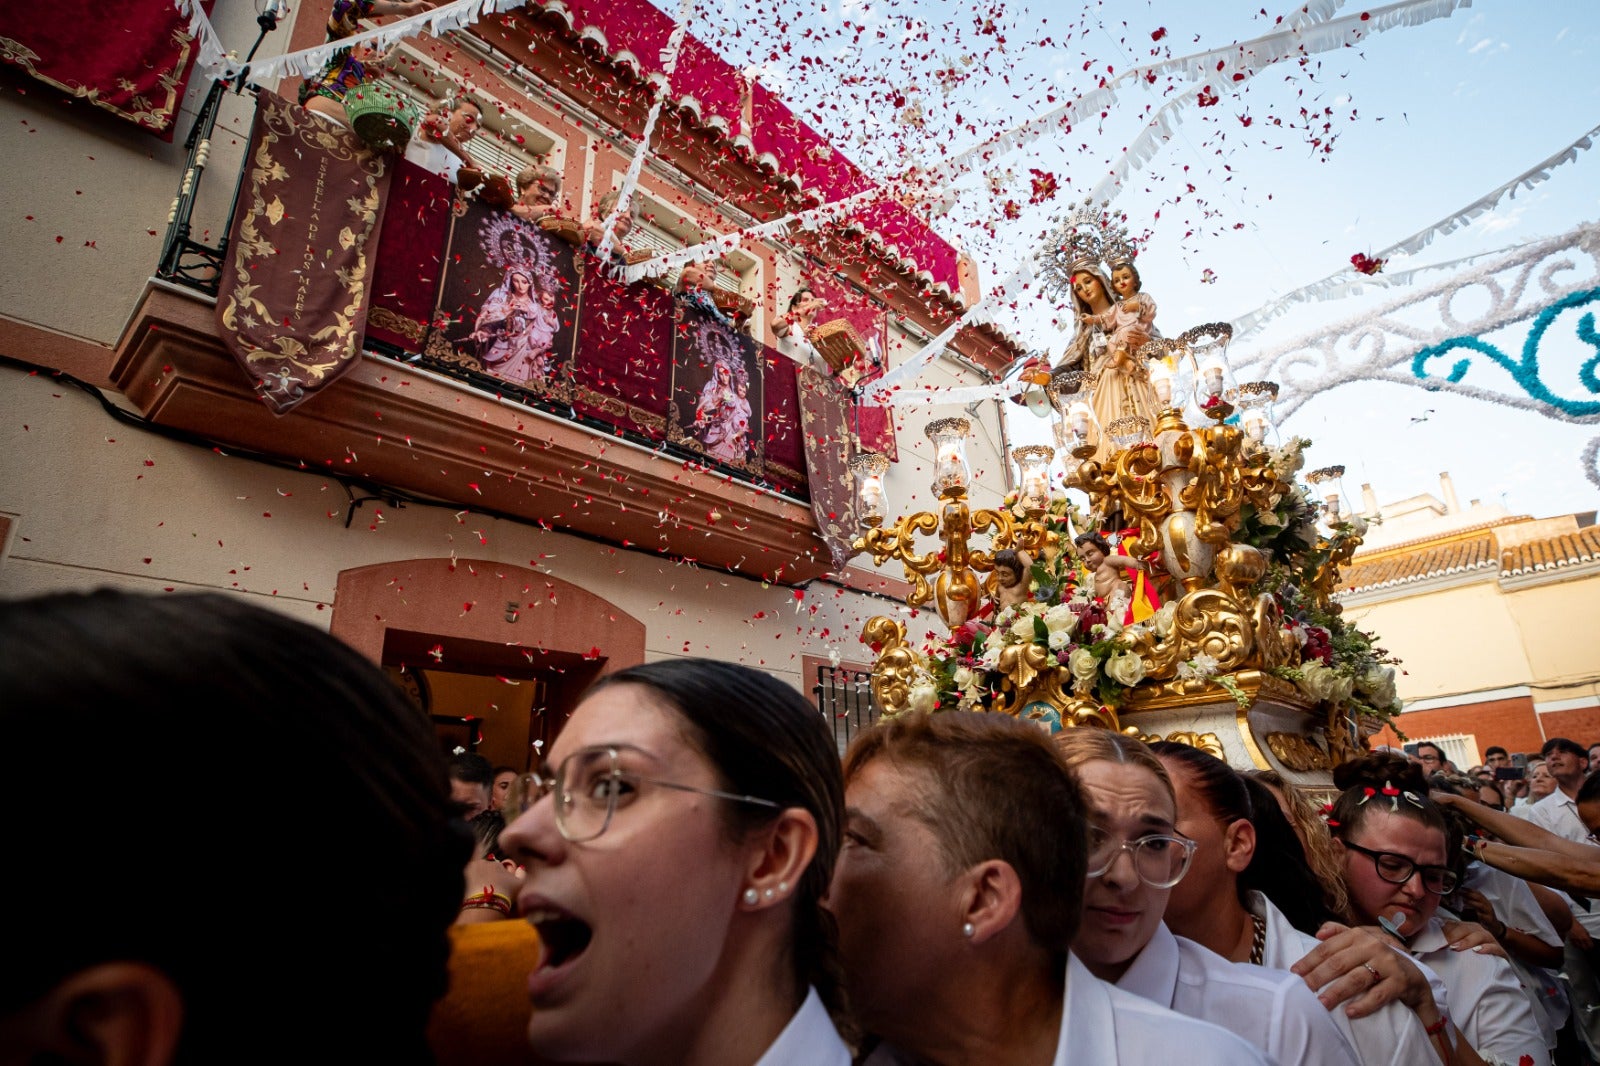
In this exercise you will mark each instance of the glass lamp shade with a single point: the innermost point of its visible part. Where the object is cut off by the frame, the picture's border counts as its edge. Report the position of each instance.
(1214, 385)
(1255, 399)
(1129, 430)
(950, 470)
(1033, 476)
(1327, 485)
(1164, 383)
(871, 502)
(1078, 432)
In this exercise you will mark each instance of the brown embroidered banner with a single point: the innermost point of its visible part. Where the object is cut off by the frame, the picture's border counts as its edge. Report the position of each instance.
(297, 279)
(131, 59)
(825, 419)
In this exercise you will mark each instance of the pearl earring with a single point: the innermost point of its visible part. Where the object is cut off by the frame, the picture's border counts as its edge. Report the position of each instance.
(768, 893)
(751, 897)
(783, 888)
(967, 929)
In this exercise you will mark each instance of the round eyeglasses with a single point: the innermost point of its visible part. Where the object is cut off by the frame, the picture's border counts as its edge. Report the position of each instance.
(1158, 859)
(589, 786)
(1398, 869)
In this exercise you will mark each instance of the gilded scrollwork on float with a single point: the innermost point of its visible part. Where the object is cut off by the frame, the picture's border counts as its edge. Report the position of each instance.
(1298, 752)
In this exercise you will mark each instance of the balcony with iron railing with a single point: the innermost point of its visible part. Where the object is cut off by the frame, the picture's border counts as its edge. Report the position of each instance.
(598, 407)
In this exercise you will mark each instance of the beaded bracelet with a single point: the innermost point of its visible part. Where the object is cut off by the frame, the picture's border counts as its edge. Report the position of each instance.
(488, 899)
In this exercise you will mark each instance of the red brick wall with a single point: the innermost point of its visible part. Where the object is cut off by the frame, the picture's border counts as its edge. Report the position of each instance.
(1509, 723)
(1581, 724)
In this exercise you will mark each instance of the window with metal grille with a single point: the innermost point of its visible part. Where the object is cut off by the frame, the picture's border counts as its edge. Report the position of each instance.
(844, 696)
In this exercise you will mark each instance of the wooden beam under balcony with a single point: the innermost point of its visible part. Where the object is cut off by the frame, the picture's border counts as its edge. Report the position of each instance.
(392, 425)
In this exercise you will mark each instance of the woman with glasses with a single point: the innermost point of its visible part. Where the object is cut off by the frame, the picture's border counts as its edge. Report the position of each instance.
(1399, 863)
(958, 893)
(1250, 896)
(676, 847)
(1136, 857)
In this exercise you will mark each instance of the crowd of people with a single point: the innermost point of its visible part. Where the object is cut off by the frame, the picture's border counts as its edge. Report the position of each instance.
(694, 876)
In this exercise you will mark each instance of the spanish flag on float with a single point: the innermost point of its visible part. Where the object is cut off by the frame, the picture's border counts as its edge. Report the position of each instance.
(1144, 601)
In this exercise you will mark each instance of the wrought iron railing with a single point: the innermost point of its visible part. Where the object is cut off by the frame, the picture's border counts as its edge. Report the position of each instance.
(844, 697)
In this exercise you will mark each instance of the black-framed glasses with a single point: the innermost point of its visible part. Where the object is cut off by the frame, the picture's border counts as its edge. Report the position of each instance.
(1159, 859)
(1398, 869)
(589, 786)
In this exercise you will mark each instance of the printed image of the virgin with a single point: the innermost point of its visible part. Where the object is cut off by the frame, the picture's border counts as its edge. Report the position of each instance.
(509, 299)
(716, 391)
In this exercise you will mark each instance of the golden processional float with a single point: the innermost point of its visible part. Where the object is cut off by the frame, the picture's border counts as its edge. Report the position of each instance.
(1247, 655)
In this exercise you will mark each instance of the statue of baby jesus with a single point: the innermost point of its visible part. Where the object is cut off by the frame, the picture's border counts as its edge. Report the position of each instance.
(1108, 570)
(1133, 317)
(1011, 578)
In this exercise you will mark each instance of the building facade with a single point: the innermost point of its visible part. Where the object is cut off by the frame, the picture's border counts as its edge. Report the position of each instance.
(496, 549)
(1495, 618)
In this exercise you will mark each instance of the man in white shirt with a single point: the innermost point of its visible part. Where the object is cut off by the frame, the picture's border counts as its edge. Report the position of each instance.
(439, 144)
(1568, 763)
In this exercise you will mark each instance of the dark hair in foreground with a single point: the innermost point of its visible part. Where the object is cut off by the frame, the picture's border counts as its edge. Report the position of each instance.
(1278, 868)
(995, 789)
(764, 739)
(320, 920)
(1376, 772)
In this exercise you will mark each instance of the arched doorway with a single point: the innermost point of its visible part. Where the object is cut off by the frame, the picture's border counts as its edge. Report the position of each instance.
(501, 651)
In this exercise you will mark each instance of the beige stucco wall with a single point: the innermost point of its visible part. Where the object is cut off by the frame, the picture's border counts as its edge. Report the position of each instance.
(95, 499)
(1453, 641)
(1559, 623)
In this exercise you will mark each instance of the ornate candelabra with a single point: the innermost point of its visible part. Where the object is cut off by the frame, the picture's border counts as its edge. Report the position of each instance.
(1180, 489)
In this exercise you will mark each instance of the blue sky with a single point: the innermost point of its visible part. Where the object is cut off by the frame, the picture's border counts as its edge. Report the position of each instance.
(1423, 120)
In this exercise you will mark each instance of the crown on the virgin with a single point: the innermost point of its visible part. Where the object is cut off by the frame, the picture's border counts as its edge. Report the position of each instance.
(1085, 239)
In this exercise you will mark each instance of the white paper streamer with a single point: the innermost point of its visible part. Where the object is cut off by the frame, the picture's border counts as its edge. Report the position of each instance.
(1340, 281)
(1303, 35)
(451, 16)
(641, 151)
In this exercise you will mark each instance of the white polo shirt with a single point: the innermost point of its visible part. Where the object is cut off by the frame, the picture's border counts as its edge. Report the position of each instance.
(1390, 1036)
(808, 1040)
(1101, 1025)
(1558, 813)
(1271, 1009)
(1514, 904)
(1486, 999)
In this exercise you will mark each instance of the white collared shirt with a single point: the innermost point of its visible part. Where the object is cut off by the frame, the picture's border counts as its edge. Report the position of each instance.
(1514, 904)
(433, 157)
(1486, 1000)
(1558, 813)
(1101, 1025)
(1392, 1035)
(808, 1040)
(1271, 1009)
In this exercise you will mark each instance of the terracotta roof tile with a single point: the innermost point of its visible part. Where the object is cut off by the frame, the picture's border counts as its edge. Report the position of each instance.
(1454, 557)
(1567, 549)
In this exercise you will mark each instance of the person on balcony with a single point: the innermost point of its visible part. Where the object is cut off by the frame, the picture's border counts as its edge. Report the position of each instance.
(692, 291)
(793, 327)
(594, 231)
(538, 193)
(323, 93)
(440, 143)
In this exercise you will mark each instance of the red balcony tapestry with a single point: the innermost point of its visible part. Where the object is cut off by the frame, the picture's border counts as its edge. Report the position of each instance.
(297, 280)
(132, 59)
(405, 278)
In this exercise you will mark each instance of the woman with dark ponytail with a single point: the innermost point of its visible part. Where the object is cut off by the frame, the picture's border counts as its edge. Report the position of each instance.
(677, 847)
(1251, 897)
(1401, 857)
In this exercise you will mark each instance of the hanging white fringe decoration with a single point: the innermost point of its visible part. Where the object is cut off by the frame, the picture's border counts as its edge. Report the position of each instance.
(1340, 282)
(641, 151)
(1381, 344)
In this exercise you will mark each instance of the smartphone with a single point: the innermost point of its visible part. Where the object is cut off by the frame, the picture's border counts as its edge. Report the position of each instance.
(1520, 760)
(1510, 773)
